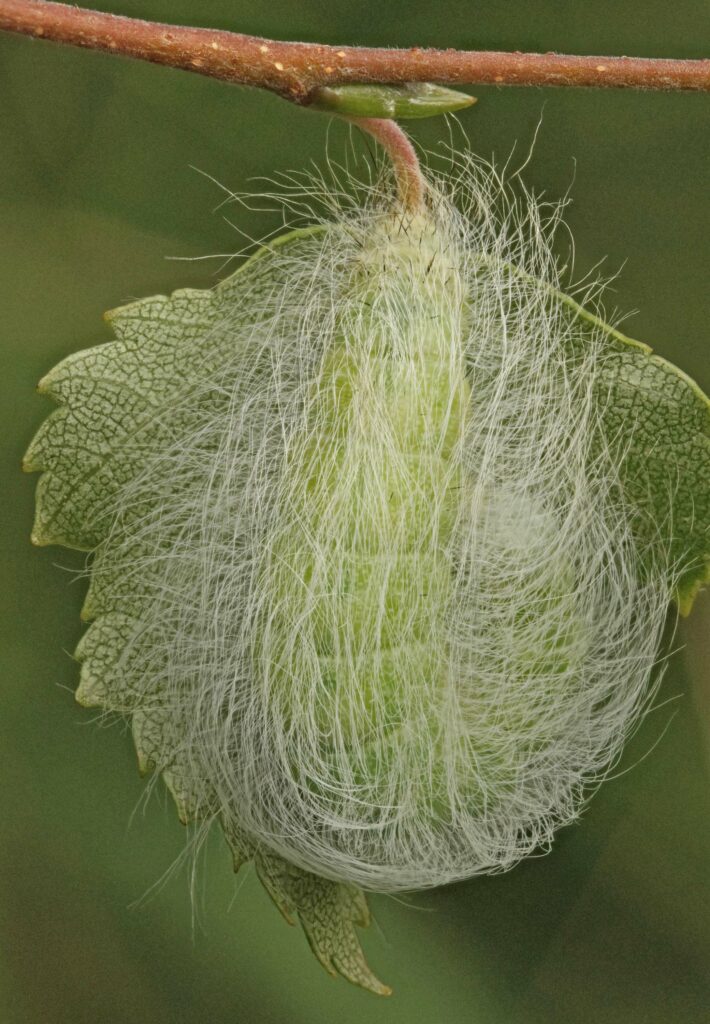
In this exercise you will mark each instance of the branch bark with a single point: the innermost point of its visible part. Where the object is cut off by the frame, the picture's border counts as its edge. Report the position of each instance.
(296, 70)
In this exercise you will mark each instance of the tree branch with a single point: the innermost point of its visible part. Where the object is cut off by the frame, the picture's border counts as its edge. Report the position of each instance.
(296, 70)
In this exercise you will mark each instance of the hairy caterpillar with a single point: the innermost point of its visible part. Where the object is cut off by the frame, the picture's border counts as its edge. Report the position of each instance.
(384, 535)
(396, 611)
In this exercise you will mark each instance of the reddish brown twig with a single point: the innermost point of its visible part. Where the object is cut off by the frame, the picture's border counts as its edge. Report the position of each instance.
(295, 70)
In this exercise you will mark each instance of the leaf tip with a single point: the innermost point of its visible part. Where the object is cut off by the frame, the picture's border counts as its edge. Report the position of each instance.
(146, 764)
(38, 539)
(685, 596)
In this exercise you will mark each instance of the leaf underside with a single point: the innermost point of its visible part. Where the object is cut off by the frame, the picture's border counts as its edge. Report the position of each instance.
(126, 398)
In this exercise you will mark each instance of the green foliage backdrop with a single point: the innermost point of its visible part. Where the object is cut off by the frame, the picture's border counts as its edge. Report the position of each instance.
(96, 189)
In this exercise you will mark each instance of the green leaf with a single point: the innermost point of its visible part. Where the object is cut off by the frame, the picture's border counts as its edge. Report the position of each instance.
(117, 402)
(328, 911)
(658, 421)
(132, 396)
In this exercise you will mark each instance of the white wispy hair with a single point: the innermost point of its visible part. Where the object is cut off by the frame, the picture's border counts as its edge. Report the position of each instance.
(398, 617)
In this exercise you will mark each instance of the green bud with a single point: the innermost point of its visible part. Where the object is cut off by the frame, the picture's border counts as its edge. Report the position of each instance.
(413, 99)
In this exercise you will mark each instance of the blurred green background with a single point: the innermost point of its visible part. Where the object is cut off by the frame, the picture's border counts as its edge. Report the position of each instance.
(96, 190)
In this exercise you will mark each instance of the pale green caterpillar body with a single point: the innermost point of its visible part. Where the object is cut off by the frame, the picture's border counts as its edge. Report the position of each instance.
(398, 617)
(422, 639)
(368, 500)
